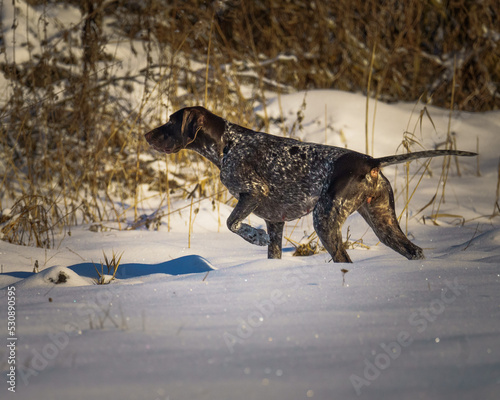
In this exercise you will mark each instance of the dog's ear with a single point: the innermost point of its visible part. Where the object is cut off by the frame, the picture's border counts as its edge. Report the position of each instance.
(187, 117)
(192, 122)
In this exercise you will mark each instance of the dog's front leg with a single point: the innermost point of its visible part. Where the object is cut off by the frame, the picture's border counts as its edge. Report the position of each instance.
(275, 231)
(246, 205)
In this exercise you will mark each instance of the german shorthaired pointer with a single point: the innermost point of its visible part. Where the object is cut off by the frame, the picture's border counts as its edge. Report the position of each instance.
(281, 179)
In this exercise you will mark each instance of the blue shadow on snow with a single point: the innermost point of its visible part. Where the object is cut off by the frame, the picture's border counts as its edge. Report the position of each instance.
(191, 264)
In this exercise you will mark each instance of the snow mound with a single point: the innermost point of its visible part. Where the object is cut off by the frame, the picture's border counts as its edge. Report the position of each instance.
(53, 276)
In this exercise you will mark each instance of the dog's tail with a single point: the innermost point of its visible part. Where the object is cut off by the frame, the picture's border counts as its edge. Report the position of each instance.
(401, 158)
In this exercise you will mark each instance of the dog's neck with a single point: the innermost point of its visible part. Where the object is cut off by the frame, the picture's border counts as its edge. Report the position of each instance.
(215, 137)
(209, 140)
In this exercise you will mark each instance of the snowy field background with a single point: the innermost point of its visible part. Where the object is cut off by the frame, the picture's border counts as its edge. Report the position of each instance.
(217, 320)
(224, 322)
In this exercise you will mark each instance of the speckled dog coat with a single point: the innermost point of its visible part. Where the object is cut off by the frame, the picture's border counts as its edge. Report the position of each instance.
(281, 179)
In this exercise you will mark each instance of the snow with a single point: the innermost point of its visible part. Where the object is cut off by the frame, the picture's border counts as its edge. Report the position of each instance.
(217, 320)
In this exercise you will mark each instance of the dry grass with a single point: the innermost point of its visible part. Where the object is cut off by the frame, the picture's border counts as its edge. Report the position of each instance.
(71, 143)
(32, 221)
(112, 265)
(311, 244)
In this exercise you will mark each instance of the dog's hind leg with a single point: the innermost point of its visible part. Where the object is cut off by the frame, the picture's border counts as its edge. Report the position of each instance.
(351, 184)
(329, 215)
(328, 226)
(379, 212)
(246, 205)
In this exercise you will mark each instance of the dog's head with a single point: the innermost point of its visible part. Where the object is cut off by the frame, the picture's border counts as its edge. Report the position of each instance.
(180, 131)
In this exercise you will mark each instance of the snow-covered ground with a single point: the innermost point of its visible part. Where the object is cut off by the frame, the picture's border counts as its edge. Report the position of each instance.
(217, 320)
(220, 321)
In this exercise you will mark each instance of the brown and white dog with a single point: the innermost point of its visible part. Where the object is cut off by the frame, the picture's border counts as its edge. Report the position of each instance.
(281, 179)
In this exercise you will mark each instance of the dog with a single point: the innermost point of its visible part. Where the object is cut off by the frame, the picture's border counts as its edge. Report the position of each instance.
(282, 179)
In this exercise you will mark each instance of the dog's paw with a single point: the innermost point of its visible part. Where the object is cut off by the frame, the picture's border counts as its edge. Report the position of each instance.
(262, 238)
(417, 254)
(255, 236)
